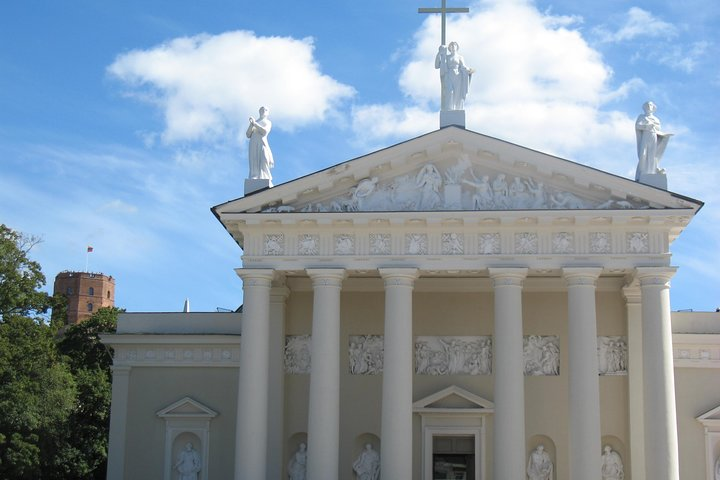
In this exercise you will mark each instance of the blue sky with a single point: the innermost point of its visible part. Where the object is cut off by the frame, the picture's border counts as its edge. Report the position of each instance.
(120, 122)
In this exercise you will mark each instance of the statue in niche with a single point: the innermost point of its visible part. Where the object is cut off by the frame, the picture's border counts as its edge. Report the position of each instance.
(188, 463)
(455, 77)
(297, 466)
(367, 465)
(612, 466)
(259, 154)
(651, 142)
(429, 181)
(539, 467)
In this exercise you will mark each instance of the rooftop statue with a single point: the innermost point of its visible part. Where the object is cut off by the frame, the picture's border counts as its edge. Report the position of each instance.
(455, 77)
(651, 142)
(259, 154)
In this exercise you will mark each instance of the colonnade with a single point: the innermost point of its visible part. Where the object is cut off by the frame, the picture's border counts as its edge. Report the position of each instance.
(509, 458)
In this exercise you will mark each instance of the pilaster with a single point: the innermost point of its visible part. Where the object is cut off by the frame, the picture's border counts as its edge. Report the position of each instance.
(118, 422)
(276, 399)
(633, 310)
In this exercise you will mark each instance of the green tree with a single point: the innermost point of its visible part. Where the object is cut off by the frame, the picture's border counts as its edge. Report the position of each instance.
(20, 277)
(37, 395)
(54, 394)
(90, 360)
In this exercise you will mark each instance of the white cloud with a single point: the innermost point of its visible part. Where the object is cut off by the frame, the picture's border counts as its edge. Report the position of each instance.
(638, 23)
(537, 82)
(679, 58)
(209, 84)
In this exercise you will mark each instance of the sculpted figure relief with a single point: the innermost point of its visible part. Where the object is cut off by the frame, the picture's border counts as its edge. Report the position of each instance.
(541, 355)
(366, 354)
(540, 467)
(453, 355)
(455, 186)
(367, 465)
(297, 466)
(188, 463)
(612, 466)
(259, 154)
(455, 77)
(651, 142)
(612, 355)
(298, 357)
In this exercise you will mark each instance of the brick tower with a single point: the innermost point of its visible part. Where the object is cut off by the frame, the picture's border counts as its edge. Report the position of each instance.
(86, 292)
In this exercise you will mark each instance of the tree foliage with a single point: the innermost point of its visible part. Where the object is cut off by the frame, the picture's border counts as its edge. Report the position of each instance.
(20, 277)
(54, 390)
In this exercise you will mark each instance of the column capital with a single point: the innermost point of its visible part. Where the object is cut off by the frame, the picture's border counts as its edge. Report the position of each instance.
(326, 277)
(504, 277)
(252, 277)
(577, 276)
(399, 276)
(659, 276)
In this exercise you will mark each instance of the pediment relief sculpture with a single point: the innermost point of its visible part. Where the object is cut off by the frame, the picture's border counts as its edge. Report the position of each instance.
(459, 185)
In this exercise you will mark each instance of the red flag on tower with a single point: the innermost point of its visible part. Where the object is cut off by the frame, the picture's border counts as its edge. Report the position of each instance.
(90, 249)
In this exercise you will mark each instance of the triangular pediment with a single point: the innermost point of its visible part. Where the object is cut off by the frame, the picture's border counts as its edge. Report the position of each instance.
(188, 408)
(710, 418)
(454, 169)
(453, 399)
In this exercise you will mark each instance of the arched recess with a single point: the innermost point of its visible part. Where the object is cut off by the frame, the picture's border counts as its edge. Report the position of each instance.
(362, 440)
(291, 447)
(186, 420)
(549, 447)
(618, 446)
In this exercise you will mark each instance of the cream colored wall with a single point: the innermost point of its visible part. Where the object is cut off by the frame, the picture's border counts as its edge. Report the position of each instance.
(152, 389)
(545, 313)
(697, 390)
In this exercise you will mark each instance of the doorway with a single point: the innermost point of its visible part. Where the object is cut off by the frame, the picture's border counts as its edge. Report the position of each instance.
(453, 457)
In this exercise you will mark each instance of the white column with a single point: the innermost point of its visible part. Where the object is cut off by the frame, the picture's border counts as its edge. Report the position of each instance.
(252, 414)
(324, 410)
(585, 448)
(118, 422)
(509, 374)
(396, 418)
(276, 399)
(635, 381)
(661, 441)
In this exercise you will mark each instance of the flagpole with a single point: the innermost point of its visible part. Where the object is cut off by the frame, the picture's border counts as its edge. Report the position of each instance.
(87, 258)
